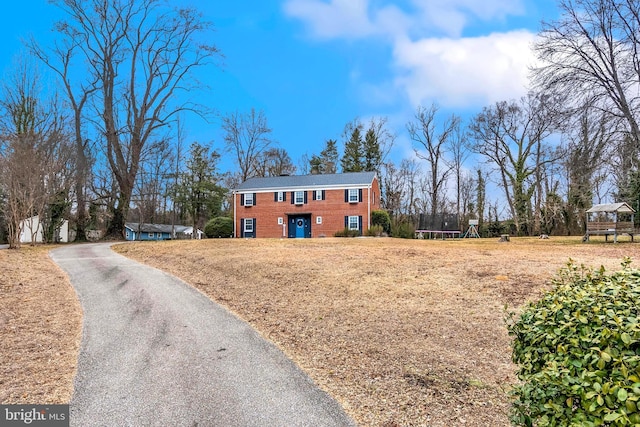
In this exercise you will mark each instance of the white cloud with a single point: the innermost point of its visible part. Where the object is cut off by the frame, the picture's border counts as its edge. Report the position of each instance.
(338, 18)
(431, 60)
(465, 71)
(452, 16)
(360, 18)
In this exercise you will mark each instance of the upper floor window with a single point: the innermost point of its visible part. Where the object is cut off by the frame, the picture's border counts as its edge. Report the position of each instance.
(249, 200)
(280, 196)
(354, 195)
(299, 197)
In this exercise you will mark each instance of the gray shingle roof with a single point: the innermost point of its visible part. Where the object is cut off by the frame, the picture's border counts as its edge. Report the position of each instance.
(612, 207)
(155, 228)
(308, 181)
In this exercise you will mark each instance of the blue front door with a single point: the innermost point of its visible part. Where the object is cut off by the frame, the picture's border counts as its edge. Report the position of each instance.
(300, 226)
(300, 223)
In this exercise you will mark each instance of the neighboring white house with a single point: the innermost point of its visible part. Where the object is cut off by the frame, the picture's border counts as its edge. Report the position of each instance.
(189, 232)
(32, 225)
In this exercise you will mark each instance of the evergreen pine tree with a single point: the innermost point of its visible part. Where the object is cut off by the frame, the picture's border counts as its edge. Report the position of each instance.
(329, 157)
(372, 154)
(198, 190)
(316, 166)
(353, 158)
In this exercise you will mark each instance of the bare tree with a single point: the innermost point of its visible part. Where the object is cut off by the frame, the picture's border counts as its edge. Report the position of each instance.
(481, 199)
(402, 196)
(141, 55)
(591, 56)
(510, 135)
(152, 181)
(394, 185)
(432, 145)
(247, 136)
(412, 178)
(305, 164)
(35, 158)
(274, 162)
(60, 60)
(588, 142)
(465, 199)
(459, 152)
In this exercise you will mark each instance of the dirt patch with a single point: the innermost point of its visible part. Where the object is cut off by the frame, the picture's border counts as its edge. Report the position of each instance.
(400, 332)
(40, 328)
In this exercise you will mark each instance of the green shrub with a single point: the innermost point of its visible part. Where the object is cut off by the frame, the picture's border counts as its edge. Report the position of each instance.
(347, 233)
(403, 230)
(221, 226)
(375, 231)
(381, 218)
(578, 351)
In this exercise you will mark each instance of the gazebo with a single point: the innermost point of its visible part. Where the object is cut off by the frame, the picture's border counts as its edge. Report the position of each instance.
(610, 219)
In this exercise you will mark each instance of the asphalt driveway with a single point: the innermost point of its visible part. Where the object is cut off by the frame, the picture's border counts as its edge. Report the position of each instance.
(156, 352)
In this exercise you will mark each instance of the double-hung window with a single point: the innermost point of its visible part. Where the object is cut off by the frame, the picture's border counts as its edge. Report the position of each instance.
(248, 199)
(318, 194)
(354, 223)
(299, 197)
(248, 225)
(354, 195)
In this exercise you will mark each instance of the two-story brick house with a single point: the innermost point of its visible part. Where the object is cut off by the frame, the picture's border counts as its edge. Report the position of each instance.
(305, 205)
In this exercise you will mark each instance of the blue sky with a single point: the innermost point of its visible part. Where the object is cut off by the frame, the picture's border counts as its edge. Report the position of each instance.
(314, 65)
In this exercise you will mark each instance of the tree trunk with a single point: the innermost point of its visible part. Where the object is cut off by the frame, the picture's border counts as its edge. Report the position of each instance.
(81, 200)
(119, 211)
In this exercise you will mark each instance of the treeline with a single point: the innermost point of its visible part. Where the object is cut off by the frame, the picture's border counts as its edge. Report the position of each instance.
(107, 146)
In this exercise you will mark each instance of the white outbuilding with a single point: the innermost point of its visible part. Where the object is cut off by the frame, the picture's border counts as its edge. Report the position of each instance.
(31, 231)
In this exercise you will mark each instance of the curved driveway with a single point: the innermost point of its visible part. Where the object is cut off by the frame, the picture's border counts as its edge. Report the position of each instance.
(156, 352)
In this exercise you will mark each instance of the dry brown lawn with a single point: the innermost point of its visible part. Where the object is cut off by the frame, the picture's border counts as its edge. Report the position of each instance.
(400, 332)
(40, 327)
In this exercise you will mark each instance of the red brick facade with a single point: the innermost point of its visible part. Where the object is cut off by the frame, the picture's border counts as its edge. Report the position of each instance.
(317, 211)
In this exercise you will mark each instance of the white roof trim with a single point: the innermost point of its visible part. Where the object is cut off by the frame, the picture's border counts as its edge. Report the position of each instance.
(310, 188)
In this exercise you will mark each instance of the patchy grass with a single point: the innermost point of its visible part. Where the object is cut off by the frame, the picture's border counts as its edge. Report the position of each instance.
(40, 327)
(401, 332)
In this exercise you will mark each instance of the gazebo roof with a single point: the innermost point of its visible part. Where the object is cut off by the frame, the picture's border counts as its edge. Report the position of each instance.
(612, 207)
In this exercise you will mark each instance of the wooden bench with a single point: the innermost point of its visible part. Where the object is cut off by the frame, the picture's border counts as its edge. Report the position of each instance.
(610, 228)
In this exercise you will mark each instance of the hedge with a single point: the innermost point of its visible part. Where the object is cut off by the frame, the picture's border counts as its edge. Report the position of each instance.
(578, 351)
(221, 226)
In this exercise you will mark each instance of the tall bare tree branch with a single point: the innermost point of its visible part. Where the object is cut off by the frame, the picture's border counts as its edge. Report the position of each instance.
(141, 55)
